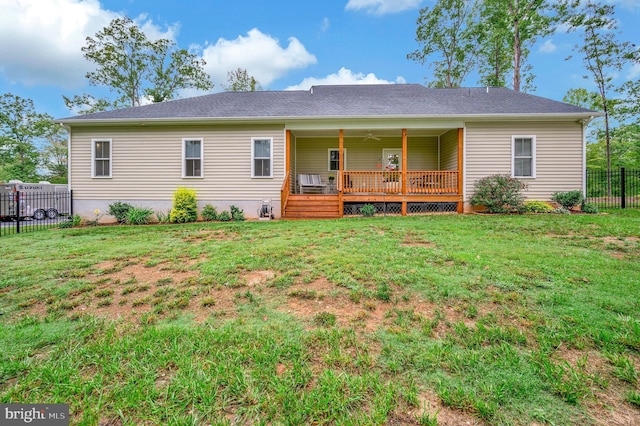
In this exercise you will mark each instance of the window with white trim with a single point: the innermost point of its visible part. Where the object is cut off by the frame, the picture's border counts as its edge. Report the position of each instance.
(524, 156)
(192, 158)
(334, 159)
(101, 158)
(261, 157)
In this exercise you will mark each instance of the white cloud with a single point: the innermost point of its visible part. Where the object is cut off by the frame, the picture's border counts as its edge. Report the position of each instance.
(343, 76)
(548, 47)
(41, 39)
(383, 7)
(260, 54)
(324, 26)
(634, 72)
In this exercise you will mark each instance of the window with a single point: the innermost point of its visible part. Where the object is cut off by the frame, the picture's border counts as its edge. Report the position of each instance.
(101, 153)
(192, 158)
(262, 157)
(334, 159)
(524, 156)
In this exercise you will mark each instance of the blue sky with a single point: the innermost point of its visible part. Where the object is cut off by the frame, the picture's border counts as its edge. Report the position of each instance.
(284, 44)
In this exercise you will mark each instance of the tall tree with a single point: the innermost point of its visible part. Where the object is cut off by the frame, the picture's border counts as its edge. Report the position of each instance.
(446, 31)
(20, 128)
(239, 80)
(132, 66)
(602, 55)
(55, 154)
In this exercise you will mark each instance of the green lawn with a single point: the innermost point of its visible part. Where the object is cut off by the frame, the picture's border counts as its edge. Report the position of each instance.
(444, 319)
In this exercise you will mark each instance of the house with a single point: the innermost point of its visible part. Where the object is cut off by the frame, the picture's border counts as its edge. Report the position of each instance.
(404, 148)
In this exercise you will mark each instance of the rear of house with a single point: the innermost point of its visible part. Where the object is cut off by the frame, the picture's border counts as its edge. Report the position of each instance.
(404, 148)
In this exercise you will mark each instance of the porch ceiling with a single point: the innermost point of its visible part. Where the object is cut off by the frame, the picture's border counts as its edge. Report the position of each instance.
(363, 133)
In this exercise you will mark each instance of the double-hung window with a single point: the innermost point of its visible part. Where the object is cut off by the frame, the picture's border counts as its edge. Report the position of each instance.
(192, 158)
(262, 157)
(101, 158)
(524, 156)
(334, 159)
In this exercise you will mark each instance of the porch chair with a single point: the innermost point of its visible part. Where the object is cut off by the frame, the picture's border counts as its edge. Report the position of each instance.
(310, 181)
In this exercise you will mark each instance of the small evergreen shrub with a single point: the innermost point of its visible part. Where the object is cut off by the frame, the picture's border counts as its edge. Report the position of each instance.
(224, 216)
(589, 208)
(209, 212)
(561, 210)
(568, 199)
(237, 214)
(537, 207)
(499, 194)
(119, 210)
(139, 216)
(185, 207)
(368, 210)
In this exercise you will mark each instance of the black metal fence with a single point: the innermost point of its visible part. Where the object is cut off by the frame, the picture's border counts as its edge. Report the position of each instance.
(33, 211)
(624, 191)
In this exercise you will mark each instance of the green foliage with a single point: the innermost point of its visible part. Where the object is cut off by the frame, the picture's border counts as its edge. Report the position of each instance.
(133, 66)
(368, 210)
(633, 398)
(185, 206)
(163, 217)
(237, 214)
(499, 194)
(119, 210)
(73, 221)
(224, 216)
(561, 210)
(139, 216)
(537, 207)
(568, 199)
(589, 208)
(209, 212)
(239, 80)
(326, 319)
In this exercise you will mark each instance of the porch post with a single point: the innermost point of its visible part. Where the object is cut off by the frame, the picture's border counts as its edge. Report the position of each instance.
(287, 154)
(340, 170)
(404, 171)
(460, 208)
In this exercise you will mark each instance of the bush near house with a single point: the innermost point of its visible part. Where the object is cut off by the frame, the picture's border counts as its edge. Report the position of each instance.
(209, 213)
(119, 210)
(537, 207)
(499, 194)
(185, 206)
(568, 199)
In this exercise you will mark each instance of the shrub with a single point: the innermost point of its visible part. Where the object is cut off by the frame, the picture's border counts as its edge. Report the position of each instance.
(237, 214)
(209, 212)
(185, 207)
(73, 221)
(561, 210)
(224, 216)
(499, 194)
(537, 207)
(589, 208)
(119, 210)
(139, 216)
(163, 217)
(368, 210)
(568, 199)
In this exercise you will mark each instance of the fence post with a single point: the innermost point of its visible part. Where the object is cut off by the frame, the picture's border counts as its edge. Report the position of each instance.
(623, 195)
(17, 211)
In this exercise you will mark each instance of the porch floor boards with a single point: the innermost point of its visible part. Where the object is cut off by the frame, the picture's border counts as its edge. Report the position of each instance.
(312, 206)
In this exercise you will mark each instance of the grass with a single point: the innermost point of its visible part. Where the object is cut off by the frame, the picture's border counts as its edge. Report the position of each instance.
(419, 320)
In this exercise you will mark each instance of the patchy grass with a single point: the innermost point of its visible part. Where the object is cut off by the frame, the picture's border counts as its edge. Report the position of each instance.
(421, 320)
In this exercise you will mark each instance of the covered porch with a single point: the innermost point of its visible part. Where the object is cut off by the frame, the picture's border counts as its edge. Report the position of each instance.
(399, 170)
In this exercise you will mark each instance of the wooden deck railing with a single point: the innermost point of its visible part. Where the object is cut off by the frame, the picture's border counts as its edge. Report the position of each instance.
(420, 182)
(284, 193)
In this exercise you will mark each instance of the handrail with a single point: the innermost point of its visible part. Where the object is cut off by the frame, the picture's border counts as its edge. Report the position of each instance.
(418, 182)
(284, 193)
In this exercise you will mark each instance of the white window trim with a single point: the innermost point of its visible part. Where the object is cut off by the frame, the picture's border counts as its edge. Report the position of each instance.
(533, 156)
(344, 159)
(93, 157)
(184, 158)
(253, 158)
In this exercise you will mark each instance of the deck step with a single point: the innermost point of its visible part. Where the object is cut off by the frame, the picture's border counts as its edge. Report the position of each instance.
(312, 206)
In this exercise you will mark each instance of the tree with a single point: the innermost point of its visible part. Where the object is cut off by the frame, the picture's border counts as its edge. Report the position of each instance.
(507, 30)
(55, 154)
(20, 127)
(240, 81)
(447, 31)
(602, 55)
(133, 67)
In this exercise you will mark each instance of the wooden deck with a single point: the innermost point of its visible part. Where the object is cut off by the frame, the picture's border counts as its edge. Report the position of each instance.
(312, 206)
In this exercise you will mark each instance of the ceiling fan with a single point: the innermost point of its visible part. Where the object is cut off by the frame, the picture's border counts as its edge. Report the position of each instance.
(370, 137)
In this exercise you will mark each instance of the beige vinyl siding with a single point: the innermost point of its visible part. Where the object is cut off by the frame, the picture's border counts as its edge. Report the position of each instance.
(449, 150)
(147, 163)
(559, 155)
(312, 154)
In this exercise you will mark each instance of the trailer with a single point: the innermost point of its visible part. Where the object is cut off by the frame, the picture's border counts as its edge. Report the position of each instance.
(20, 200)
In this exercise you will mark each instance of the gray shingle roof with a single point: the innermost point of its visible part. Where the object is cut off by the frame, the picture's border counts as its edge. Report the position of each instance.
(390, 100)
